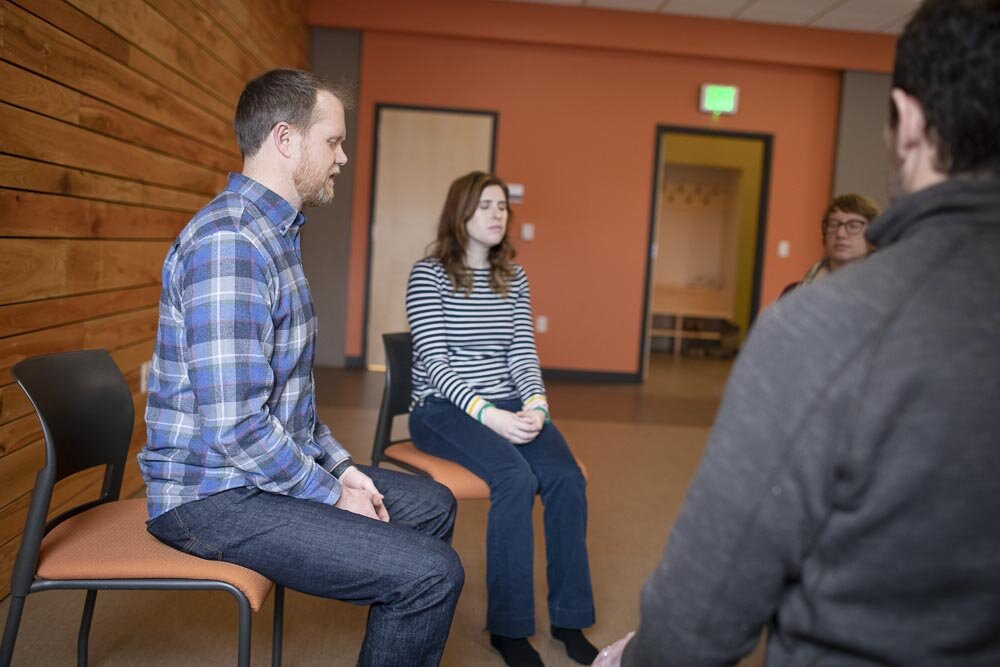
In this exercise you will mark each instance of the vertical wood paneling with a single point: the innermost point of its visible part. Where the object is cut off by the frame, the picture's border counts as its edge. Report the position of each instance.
(115, 127)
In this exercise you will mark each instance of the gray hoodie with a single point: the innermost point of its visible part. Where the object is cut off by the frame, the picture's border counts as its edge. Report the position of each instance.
(849, 496)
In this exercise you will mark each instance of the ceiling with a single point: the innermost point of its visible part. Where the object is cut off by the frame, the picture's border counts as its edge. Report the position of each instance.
(881, 16)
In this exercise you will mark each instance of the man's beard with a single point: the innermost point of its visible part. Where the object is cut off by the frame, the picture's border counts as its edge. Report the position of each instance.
(312, 184)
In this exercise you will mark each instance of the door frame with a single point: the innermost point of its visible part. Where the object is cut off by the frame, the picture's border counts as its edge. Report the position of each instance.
(362, 361)
(765, 188)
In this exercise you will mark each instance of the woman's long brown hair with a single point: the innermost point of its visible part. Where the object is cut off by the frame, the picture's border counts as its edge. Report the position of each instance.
(449, 248)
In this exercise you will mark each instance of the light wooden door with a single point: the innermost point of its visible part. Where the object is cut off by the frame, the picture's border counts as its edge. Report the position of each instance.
(419, 152)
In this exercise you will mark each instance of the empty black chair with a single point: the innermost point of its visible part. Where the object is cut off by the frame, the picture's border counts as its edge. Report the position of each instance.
(86, 412)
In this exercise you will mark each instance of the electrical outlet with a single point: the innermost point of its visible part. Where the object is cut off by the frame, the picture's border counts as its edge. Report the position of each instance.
(144, 377)
(541, 324)
(784, 249)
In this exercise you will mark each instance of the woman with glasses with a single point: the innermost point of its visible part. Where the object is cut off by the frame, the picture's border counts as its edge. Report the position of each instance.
(844, 240)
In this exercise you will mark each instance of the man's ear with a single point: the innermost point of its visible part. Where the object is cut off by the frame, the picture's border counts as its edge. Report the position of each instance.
(911, 128)
(282, 137)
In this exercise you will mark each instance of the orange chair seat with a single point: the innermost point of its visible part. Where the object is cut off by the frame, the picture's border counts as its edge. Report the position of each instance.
(462, 481)
(110, 541)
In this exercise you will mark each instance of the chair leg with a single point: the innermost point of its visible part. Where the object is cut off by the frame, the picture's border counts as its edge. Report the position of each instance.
(83, 640)
(279, 624)
(10, 630)
(243, 650)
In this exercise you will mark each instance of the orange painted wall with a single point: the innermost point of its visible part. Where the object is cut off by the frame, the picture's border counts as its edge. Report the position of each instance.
(576, 127)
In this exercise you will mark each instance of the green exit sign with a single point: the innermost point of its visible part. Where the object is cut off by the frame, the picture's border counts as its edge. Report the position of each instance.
(718, 99)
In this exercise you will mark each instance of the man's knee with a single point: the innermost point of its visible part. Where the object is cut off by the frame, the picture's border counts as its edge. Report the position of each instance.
(445, 571)
(443, 498)
(454, 571)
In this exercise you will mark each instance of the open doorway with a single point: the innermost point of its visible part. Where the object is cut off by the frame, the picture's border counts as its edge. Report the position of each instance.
(707, 225)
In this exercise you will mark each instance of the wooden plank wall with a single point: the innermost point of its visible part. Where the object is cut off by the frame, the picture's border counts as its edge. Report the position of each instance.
(115, 127)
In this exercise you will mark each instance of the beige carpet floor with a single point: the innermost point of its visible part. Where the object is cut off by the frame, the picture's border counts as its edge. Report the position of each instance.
(641, 444)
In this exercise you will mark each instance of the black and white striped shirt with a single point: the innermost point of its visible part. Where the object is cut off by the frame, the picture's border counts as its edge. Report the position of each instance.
(472, 348)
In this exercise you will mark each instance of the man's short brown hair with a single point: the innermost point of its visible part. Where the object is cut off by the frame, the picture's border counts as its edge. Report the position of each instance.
(287, 95)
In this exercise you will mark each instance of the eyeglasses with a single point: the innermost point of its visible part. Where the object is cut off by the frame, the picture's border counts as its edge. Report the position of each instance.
(853, 227)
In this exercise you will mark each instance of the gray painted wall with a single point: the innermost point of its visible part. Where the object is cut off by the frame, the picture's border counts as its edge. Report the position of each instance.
(336, 55)
(861, 157)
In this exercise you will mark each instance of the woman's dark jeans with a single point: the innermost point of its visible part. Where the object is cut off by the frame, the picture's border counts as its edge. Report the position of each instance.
(514, 474)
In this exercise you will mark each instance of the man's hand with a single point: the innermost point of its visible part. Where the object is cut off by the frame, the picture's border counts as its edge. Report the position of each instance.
(612, 655)
(359, 495)
(520, 428)
(355, 479)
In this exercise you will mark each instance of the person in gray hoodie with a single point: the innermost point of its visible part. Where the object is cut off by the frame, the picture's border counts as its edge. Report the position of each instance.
(849, 497)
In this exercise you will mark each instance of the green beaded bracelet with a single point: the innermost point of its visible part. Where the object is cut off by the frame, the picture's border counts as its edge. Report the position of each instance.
(482, 410)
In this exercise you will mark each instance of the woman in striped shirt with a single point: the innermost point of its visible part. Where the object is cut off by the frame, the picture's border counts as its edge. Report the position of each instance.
(479, 400)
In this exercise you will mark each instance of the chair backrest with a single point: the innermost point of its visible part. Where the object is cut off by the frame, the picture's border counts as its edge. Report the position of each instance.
(398, 386)
(85, 407)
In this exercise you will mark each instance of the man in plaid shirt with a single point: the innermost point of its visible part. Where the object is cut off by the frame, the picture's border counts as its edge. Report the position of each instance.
(237, 464)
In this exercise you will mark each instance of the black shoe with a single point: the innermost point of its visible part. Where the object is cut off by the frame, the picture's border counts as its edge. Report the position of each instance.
(577, 646)
(516, 651)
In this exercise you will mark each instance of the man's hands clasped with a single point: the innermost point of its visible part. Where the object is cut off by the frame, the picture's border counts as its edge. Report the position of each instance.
(359, 495)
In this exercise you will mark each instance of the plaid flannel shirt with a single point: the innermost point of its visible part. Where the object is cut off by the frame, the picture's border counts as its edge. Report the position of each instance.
(231, 400)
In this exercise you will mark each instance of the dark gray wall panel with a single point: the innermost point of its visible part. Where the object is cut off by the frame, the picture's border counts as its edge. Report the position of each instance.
(336, 55)
(862, 162)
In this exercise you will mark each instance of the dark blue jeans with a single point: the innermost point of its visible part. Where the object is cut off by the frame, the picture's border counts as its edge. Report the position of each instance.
(514, 474)
(404, 569)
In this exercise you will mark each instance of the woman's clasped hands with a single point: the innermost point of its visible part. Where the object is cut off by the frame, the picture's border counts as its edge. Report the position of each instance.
(518, 427)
